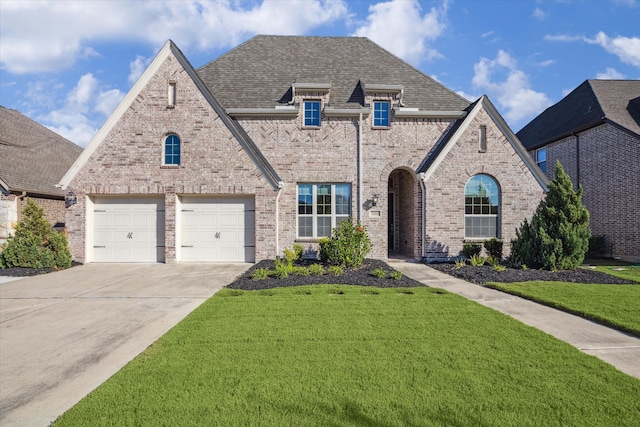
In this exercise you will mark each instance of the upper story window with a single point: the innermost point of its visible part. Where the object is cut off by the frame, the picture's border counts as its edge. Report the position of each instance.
(172, 150)
(541, 158)
(321, 207)
(481, 207)
(312, 113)
(381, 114)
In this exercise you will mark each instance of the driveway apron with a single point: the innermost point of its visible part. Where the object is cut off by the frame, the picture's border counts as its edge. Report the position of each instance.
(62, 334)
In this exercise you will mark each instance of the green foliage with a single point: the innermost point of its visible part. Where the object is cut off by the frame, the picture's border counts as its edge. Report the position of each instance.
(260, 273)
(396, 275)
(499, 268)
(477, 261)
(298, 249)
(471, 249)
(301, 271)
(494, 248)
(347, 247)
(335, 270)
(557, 237)
(460, 263)
(379, 273)
(282, 269)
(596, 246)
(316, 269)
(35, 244)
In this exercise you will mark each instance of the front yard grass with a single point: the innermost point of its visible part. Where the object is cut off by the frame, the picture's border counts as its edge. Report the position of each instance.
(349, 355)
(617, 306)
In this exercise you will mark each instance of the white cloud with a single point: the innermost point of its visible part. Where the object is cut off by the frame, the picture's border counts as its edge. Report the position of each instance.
(514, 94)
(610, 74)
(625, 48)
(137, 67)
(546, 63)
(47, 36)
(539, 14)
(84, 105)
(400, 27)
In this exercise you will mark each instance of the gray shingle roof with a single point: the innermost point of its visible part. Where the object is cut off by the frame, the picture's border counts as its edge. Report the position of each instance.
(591, 103)
(260, 73)
(32, 157)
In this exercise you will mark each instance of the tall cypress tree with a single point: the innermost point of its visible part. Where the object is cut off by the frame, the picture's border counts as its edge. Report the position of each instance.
(557, 238)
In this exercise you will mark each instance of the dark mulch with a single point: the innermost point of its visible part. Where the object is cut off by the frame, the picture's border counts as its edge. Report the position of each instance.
(26, 272)
(359, 276)
(487, 273)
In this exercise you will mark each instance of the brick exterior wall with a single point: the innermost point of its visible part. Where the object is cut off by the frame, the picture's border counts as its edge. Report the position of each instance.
(606, 164)
(128, 162)
(11, 207)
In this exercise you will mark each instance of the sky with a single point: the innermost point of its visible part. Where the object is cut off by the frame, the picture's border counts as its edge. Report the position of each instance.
(67, 64)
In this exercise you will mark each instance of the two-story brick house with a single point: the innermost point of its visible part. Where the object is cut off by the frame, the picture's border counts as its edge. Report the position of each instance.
(595, 134)
(277, 140)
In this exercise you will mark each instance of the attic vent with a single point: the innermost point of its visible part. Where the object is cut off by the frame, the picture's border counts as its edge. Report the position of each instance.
(171, 95)
(482, 139)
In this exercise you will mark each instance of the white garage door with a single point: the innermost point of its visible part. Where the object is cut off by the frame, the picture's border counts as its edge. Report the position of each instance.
(128, 230)
(218, 229)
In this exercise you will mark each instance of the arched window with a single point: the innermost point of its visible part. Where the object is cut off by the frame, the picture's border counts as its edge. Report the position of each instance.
(172, 150)
(481, 207)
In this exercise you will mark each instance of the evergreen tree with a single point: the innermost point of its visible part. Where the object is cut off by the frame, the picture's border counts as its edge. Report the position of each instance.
(35, 244)
(557, 237)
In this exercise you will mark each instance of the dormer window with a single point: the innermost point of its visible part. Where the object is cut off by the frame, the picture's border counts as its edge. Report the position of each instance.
(312, 113)
(381, 114)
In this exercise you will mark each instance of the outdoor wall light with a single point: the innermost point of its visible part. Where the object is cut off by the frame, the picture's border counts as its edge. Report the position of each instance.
(70, 199)
(374, 201)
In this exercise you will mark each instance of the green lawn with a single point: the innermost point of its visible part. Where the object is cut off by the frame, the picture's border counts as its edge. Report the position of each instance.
(621, 269)
(347, 355)
(617, 306)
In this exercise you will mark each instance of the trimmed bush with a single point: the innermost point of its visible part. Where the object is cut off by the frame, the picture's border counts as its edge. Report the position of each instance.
(35, 244)
(471, 249)
(347, 247)
(493, 248)
(557, 238)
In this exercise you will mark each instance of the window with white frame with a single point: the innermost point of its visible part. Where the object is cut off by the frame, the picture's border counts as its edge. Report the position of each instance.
(172, 150)
(381, 114)
(541, 158)
(321, 207)
(481, 207)
(312, 113)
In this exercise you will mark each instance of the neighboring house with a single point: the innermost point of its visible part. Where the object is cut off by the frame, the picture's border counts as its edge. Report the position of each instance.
(279, 139)
(33, 159)
(595, 134)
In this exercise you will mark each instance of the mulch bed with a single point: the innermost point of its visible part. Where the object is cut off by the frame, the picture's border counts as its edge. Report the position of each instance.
(362, 276)
(486, 273)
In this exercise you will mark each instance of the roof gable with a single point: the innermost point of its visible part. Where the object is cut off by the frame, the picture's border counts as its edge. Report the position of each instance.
(590, 104)
(170, 49)
(33, 158)
(260, 73)
(453, 135)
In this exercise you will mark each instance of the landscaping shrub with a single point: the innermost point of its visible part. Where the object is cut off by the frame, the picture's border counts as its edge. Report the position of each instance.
(347, 247)
(379, 273)
(471, 249)
(316, 270)
(35, 244)
(477, 261)
(557, 238)
(494, 248)
(260, 274)
(396, 275)
(335, 270)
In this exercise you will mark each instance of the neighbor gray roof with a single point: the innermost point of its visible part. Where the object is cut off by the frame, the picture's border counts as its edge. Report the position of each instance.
(32, 157)
(591, 103)
(260, 73)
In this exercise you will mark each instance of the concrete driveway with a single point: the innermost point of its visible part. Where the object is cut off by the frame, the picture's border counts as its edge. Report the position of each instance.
(63, 334)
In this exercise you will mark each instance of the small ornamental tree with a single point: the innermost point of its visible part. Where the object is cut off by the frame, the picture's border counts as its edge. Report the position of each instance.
(347, 247)
(557, 238)
(35, 244)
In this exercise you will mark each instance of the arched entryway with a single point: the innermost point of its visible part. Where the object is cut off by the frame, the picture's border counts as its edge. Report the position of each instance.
(402, 227)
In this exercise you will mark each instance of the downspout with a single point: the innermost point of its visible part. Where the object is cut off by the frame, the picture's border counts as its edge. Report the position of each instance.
(360, 168)
(577, 161)
(280, 187)
(424, 211)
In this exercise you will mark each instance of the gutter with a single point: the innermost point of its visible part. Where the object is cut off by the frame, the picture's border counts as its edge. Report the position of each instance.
(360, 168)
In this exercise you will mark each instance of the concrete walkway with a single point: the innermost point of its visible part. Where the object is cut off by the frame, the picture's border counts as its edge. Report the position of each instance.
(63, 334)
(616, 348)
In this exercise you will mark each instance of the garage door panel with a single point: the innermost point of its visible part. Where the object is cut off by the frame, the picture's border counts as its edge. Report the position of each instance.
(128, 230)
(217, 229)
